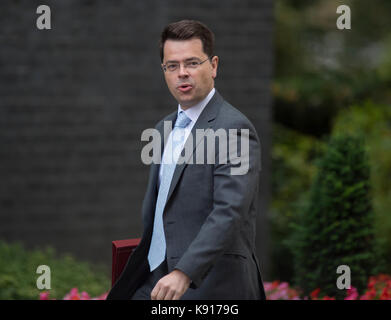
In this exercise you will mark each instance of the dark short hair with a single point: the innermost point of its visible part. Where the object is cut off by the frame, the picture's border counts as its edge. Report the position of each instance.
(185, 30)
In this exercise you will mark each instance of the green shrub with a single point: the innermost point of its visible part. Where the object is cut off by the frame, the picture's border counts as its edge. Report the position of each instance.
(337, 227)
(373, 122)
(293, 169)
(18, 273)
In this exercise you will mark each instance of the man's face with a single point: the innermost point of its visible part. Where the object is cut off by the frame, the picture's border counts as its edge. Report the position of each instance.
(189, 85)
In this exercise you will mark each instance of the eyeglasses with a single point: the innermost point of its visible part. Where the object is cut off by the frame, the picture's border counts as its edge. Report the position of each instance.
(189, 64)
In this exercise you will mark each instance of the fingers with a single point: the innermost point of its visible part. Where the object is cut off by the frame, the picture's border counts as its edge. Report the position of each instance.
(170, 287)
(177, 296)
(165, 292)
(169, 295)
(155, 291)
(162, 293)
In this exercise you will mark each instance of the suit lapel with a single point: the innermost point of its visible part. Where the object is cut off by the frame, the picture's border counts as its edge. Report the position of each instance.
(204, 121)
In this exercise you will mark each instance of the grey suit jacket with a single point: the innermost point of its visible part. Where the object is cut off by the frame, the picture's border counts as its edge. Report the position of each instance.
(209, 218)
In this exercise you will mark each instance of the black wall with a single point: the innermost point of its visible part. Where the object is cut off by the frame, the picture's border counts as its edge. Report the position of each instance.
(75, 99)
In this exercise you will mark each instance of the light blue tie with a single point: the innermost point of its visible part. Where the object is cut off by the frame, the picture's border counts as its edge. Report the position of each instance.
(157, 250)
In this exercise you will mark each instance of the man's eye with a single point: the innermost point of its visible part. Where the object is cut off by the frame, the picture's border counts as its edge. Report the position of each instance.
(193, 63)
(171, 66)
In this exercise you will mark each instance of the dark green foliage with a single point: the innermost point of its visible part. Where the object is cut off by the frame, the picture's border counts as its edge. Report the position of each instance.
(18, 274)
(337, 226)
(293, 170)
(373, 121)
(320, 70)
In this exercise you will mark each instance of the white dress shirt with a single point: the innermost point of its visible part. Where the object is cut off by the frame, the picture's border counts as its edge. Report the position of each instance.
(192, 113)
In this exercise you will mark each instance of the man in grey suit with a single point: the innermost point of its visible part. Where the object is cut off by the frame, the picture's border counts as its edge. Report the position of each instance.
(199, 217)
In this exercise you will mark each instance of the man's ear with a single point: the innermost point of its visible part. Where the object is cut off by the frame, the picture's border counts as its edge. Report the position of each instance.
(215, 63)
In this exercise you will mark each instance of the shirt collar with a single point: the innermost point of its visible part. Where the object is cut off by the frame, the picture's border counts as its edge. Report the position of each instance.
(194, 112)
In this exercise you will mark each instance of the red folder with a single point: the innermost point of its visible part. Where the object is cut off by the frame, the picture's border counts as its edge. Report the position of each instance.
(121, 251)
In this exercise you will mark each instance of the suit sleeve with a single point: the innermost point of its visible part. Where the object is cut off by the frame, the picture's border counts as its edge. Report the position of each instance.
(232, 196)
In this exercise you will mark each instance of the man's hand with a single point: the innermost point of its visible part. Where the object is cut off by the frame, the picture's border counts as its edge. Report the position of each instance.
(171, 286)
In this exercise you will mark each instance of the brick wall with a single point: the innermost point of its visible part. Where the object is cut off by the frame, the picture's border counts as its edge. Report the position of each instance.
(75, 99)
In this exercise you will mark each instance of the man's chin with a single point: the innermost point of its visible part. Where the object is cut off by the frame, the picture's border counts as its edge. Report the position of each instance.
(187, 103)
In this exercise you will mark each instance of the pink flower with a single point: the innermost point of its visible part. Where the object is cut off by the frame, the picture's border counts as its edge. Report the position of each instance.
(85, 296)
(101, 297)
(44, 295)
(283, 285)
(268, 286)
(280, 291)
(72, 295)
(351, 294)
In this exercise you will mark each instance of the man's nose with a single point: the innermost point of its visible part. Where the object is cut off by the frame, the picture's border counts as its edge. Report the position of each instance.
(183, 71)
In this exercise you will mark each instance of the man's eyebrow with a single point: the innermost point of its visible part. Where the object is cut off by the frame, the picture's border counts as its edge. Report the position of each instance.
(171, 61)
(188, 59)
(192, 58)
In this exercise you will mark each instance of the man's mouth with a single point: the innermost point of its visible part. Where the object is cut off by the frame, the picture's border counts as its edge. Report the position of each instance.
(185, 87)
